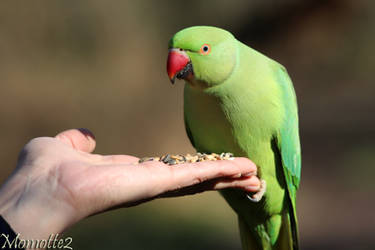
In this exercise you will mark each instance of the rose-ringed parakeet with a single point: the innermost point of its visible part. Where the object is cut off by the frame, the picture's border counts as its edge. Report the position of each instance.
(238, 100)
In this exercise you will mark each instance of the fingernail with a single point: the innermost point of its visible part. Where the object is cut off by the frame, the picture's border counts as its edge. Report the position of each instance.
(249, 174)
(237, 175)
(87, 133)
(253, 188)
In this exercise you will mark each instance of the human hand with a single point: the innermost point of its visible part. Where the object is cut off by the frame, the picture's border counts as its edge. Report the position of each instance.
(58, 181)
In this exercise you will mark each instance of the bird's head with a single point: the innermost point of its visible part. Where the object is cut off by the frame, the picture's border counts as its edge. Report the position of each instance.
(201, 54)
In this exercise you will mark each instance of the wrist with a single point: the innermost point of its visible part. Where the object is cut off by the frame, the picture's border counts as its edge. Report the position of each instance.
(29, 211)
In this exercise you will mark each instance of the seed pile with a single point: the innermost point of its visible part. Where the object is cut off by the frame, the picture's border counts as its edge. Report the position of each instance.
(188, 158)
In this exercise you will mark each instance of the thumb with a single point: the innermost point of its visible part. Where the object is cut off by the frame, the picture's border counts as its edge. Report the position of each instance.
(81, 139)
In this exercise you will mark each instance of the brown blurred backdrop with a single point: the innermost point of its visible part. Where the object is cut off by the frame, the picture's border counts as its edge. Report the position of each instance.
(101, 65)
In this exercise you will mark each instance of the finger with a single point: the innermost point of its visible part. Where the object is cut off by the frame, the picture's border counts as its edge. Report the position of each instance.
(195, 173)
(248, 184)
(123, 184)
(81, 139)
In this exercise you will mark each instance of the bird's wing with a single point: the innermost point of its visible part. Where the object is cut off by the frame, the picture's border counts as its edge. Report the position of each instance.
(288, 144)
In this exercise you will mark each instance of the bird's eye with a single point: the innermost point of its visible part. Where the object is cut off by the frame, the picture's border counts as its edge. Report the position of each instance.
(205, 49)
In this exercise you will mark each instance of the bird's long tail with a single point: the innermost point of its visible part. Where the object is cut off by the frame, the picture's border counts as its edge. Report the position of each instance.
(259, 237)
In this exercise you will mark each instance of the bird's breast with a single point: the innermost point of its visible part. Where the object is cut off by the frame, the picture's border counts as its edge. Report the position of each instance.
(210, 129)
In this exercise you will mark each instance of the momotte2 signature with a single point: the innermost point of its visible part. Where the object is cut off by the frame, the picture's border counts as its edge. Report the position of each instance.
(53, 242)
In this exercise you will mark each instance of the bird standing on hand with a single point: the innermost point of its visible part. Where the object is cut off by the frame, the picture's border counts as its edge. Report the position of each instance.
(238, 100)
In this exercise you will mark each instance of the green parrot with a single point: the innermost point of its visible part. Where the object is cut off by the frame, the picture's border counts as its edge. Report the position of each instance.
(240, 101)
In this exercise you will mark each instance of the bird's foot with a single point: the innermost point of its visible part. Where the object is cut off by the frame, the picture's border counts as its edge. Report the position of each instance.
(256, 197)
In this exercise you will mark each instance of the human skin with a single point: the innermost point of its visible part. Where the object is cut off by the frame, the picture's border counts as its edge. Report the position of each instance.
(58, 181)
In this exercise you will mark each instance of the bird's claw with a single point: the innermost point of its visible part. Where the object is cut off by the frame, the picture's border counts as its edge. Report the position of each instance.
(258, 195)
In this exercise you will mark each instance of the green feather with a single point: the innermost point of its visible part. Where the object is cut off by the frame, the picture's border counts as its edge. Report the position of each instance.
(289, 144)
(242, 102)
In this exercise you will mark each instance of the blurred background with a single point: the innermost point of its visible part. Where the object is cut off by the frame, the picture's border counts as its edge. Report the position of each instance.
(101, 65)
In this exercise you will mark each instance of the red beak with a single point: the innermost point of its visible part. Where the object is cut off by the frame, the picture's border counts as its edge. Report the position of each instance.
(177, 61)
